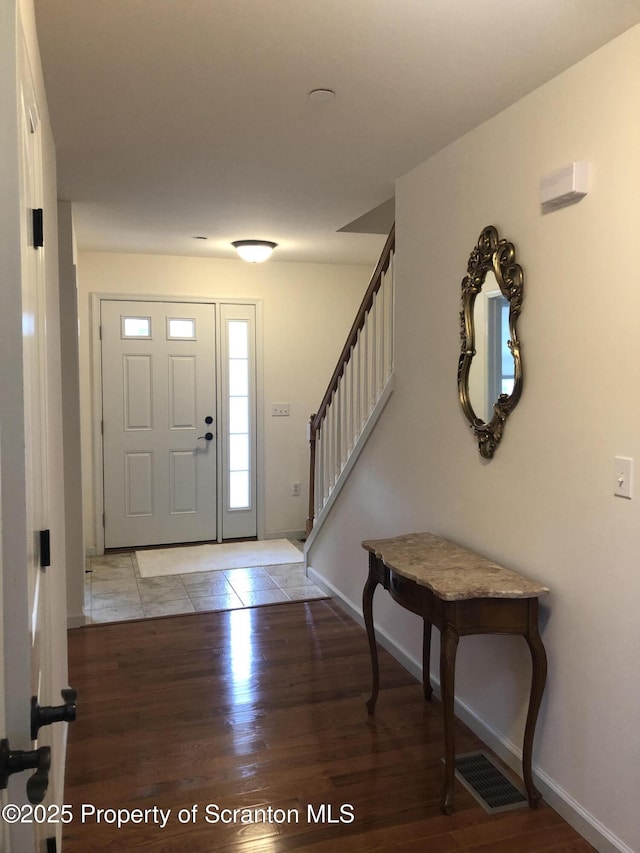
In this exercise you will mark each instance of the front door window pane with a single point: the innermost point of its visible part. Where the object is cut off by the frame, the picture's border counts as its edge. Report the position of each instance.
(238, 416)
(238, 377)
(239, 452)
(238, 339)
(239, 426)
(179, 329)
(238, 489)
(136, 327)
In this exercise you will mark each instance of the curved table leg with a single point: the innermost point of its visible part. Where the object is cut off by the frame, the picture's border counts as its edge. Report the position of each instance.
(538, 680)
(426, 659)
(448, 647)
(367, 609)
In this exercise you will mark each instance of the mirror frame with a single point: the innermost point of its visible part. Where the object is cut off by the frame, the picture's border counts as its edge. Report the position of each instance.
(490, 254)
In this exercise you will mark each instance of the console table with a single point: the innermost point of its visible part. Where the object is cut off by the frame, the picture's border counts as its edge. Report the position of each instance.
(460, 593)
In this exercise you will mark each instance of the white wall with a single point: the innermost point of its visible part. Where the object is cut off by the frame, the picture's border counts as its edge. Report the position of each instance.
(544, 505)
(307, 312)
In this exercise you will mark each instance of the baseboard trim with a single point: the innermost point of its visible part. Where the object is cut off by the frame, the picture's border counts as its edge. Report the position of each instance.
(589, 827)
(76, 621)
(285, 534)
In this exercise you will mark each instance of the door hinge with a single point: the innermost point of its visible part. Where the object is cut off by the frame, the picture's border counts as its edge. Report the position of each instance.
(102, 427)
(38, 228)
(45, 548)
(100, 332)
(104, 519)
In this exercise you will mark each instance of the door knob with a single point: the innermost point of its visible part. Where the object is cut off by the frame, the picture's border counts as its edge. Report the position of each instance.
(15, 761)
(208, 419)
(207, 435)
(44, 716)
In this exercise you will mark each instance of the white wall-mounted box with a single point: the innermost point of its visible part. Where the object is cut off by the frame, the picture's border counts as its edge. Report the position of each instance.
(565, 185)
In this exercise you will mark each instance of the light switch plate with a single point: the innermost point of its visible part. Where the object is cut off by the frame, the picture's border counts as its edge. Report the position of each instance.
(279, 410)
(623, 477)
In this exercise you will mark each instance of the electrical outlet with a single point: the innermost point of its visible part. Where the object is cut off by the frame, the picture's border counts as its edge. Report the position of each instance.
(279, 410)
(295, 490)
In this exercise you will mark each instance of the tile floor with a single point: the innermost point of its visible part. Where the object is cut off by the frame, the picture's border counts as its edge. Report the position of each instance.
(115, 592)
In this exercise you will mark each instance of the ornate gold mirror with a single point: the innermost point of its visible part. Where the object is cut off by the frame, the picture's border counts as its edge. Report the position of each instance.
(490, 305)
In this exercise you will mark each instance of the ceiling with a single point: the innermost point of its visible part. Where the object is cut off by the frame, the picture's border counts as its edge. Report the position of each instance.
(176, 119)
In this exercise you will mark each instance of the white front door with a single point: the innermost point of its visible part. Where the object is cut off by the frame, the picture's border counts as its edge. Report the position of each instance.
(159, 422)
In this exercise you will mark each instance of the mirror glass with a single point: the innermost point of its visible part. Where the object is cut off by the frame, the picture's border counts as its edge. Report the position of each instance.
(490, 365)
(492, 369)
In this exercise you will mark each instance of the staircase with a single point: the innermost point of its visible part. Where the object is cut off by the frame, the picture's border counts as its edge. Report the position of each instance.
(356, 395)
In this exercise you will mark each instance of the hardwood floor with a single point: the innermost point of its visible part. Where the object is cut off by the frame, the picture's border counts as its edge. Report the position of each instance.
(264, 709)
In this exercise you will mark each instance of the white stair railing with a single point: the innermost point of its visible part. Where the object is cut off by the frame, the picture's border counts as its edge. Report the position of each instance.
(356, 390)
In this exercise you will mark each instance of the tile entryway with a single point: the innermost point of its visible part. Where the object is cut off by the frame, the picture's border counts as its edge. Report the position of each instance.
(115, 592)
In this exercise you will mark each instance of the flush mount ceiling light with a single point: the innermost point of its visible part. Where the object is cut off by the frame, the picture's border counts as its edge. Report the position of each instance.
(254, 251)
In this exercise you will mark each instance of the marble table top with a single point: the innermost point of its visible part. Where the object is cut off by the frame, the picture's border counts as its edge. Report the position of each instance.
(449, 571)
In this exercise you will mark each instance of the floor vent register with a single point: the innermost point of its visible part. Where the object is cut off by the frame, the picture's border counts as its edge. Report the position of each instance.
(487, 783)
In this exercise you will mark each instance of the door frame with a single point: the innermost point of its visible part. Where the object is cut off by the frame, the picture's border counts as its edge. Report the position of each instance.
(95, 301)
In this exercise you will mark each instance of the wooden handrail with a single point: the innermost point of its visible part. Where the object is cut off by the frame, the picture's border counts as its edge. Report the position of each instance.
(358, 323)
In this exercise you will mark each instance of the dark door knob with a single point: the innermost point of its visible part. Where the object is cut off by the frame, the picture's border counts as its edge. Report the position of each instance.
(44, 716)
(207, 435)
(15, 761)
